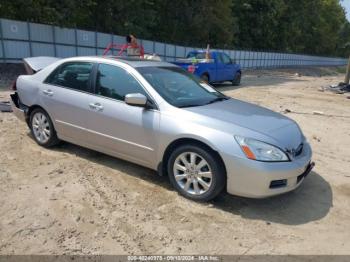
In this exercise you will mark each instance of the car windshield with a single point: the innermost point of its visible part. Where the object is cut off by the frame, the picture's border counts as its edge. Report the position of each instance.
(180, 88)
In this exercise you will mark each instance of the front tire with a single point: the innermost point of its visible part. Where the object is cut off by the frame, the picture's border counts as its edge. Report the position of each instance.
(196, 173)
(42, 128)
(237, 80)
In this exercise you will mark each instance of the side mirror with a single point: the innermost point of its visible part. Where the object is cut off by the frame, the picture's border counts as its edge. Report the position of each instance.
(136, 100)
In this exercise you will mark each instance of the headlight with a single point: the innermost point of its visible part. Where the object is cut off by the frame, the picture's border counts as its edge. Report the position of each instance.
(261, 151)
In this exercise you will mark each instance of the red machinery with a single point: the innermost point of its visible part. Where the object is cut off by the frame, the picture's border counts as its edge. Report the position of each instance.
(122, 48)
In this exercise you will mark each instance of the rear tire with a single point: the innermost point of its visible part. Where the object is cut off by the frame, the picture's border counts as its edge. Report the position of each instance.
(237, 80)
(42, 128)
(205, 78)
(196, 173)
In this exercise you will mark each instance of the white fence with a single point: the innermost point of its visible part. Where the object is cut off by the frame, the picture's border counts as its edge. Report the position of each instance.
(23, 39)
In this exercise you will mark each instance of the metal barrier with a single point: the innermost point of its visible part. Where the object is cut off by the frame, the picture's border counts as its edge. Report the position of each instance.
(23, 39)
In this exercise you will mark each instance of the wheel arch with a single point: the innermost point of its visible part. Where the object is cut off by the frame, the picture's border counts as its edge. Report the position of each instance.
(32, 108)
(206, 74)
(162, 167)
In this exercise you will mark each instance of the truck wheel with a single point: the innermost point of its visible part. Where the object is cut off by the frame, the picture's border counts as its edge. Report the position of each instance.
(205, 78)
(237, 79)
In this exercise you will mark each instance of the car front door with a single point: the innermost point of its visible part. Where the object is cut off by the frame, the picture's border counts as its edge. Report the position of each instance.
(117, 128)
(229, 67)
(220, 68)
(65, 95)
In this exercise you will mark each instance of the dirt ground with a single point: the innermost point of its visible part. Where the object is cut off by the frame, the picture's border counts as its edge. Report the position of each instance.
(71, 200)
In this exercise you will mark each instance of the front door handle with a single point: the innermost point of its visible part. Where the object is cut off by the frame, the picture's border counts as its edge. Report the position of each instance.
(48, 92)
(96, 106)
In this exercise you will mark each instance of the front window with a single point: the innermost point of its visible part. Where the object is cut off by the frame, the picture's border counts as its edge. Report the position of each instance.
(115, 82)
(180, 88)
(225, 59)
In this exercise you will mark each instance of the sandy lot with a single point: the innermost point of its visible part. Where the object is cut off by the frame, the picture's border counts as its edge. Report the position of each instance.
(71, 200)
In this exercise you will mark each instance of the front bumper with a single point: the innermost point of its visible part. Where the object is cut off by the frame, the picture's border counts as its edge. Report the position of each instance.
(18, 110)
(256, 179)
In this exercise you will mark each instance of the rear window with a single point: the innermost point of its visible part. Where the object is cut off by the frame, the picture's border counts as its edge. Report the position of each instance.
(75, 75)
(196, 55)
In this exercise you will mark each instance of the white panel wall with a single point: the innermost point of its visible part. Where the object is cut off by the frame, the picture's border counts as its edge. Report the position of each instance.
(22, 39)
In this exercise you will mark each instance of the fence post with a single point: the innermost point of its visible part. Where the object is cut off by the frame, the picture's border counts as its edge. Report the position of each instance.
(347, 75)
(112, 44)
(165, 55)
(76, 41)
(2, 43)
(253, 60)
(247, 58)
(54, 40)
(96, 51)
(30, 40)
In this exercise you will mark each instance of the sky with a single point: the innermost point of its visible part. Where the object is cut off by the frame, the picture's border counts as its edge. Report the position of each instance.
(346, 4)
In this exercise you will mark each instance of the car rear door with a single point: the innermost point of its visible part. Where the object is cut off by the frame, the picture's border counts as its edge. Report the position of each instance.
(66, 94)
(117, 128)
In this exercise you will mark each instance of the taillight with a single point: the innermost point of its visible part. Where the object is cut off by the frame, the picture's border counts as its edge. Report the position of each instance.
(13, 86)
(191, 69)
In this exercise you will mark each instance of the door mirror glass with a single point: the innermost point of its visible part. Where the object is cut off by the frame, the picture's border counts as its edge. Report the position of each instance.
(136, 99)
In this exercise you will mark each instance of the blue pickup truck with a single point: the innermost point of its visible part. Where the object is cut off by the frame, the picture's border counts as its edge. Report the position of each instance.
(218, 68)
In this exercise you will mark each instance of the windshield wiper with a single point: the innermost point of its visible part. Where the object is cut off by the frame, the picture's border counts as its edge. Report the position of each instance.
(190, 105)
(210, 102)
(217, 100)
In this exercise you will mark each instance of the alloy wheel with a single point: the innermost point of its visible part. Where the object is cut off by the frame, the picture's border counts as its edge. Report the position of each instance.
(192, 173)
(41, 127)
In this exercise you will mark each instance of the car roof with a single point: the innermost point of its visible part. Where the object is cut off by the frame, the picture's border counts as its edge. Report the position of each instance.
(139, 62)
(131, 61)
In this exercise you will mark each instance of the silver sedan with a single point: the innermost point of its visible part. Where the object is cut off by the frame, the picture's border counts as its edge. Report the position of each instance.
(159, 116)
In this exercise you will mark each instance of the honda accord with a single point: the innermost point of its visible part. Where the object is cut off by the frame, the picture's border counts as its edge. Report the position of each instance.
(159, 116)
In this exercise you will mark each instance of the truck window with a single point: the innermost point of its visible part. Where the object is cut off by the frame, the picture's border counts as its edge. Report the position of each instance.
(225, 58)
(196, 55)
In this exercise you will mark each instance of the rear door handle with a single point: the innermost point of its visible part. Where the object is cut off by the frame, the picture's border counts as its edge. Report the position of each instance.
(96, 106)
(48, 92)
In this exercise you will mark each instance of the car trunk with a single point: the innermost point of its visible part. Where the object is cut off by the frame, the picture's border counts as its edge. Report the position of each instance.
(35, 64)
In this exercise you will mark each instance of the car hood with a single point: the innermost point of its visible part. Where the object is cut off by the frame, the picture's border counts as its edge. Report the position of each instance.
(256, 118)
